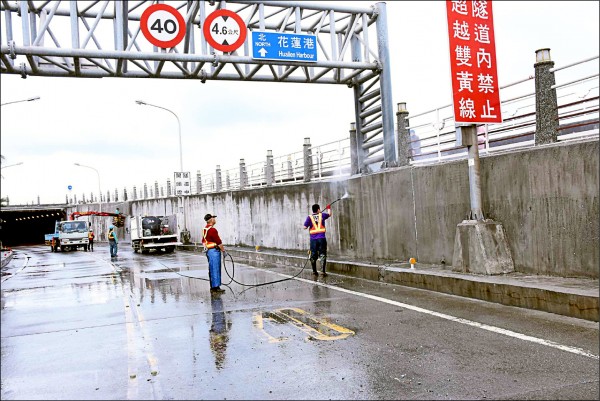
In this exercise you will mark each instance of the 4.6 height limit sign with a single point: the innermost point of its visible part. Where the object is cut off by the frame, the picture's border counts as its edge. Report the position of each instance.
(473, 62)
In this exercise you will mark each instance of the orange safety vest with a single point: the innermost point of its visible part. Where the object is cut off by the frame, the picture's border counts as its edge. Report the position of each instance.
(91, 235)
(317, 224)
(207, 245)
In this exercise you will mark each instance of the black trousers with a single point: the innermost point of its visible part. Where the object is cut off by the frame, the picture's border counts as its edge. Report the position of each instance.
(318, 250)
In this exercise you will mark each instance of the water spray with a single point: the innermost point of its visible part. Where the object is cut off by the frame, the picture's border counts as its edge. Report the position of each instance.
(339, 199)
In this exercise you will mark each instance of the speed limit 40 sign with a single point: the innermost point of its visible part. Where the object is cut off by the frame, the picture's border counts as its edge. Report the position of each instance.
(224, 30)
(162, 25)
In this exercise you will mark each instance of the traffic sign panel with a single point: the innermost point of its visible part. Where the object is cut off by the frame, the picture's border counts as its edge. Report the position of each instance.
(284, 46)
(224, 30)
(162, 25)
(183, 184)
(475, 90)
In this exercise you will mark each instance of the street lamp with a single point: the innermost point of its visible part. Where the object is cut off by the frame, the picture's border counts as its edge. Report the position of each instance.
(10, 165)
(99, 189)
(31, 99)
(185, 232)
(142, 103)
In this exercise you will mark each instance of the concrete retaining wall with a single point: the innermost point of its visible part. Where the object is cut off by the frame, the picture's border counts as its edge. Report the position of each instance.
(545, 197)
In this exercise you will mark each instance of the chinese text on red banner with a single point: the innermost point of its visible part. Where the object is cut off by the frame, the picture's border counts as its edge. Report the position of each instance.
(473, 62)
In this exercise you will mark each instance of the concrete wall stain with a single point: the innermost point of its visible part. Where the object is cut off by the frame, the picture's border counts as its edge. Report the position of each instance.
(545, 197)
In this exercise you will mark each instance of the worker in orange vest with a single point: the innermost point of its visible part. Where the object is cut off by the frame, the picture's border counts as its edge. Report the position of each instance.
(318, 241)
(91, 240)
(213, 247)
(112, 241)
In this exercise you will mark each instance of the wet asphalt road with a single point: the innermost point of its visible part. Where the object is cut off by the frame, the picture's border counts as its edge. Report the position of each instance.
(77, 325)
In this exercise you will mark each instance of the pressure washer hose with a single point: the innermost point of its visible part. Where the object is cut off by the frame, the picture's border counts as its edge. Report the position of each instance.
(232, 275)
(339, 199)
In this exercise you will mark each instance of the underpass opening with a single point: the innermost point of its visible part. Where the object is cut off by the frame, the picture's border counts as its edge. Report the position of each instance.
(28, 226)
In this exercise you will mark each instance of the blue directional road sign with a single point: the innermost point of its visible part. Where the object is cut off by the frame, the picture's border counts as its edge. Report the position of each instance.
(284, 46)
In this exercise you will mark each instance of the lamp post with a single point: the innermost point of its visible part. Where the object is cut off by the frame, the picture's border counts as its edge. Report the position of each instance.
(185, 232)
(10, 165)
(142, 103)
(99, 188)
(31, 99)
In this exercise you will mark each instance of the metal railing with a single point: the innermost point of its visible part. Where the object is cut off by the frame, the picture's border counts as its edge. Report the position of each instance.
(329, 160)
(432, 139)
(432, 133)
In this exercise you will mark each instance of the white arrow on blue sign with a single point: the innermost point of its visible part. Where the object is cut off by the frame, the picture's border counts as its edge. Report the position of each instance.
(284, 46)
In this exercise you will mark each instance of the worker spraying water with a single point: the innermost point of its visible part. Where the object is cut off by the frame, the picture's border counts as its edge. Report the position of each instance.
(318, 248)
(315, 222)
(339, 199)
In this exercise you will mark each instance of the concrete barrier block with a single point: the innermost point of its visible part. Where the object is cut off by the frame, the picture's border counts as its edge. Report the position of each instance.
(480, 247)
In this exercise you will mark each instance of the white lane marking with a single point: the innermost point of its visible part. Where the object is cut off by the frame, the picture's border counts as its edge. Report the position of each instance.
(134, 324)
(498, 330)
(27, 257)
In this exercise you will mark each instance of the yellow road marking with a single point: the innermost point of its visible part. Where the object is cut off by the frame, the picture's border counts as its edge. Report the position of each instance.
(317, 329)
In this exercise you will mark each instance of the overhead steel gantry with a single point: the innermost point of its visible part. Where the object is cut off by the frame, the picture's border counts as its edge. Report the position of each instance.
(103, 39)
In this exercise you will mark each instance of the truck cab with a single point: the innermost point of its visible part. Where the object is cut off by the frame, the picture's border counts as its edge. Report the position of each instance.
(69, 235)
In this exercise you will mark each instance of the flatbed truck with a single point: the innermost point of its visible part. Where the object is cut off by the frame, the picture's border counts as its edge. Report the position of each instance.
(153, 233)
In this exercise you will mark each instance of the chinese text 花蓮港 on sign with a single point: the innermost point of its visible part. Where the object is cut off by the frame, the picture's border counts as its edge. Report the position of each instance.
(284, 46)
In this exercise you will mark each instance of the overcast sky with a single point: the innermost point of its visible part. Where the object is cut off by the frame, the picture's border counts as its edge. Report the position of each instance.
(97, 123)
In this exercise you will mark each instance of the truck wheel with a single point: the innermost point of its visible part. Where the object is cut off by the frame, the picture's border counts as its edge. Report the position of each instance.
(85, 248)
(62, 248)
(169, 249)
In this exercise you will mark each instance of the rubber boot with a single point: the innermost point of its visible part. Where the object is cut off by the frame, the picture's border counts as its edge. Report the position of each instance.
(314, 267)
(323, 264)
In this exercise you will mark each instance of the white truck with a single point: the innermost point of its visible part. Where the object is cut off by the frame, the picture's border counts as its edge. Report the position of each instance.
(153, 232)
(69, 235)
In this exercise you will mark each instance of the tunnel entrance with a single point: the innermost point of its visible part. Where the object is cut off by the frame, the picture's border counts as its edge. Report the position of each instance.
(28, 226)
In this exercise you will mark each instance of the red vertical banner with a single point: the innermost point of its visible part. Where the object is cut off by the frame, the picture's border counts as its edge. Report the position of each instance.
(473, 62)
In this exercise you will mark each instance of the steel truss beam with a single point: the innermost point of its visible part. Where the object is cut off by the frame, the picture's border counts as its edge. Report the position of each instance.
(103, 39)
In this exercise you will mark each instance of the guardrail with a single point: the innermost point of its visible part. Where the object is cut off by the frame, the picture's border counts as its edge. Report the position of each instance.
(432, 133)
(7, 255)
(432, 139)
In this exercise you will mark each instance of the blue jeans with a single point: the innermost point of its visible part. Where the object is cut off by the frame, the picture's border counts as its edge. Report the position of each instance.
(113, 248)
(214, 266)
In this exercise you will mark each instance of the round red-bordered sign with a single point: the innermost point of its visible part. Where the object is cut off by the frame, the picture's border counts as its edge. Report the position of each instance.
(162, 25)
(219, 30)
